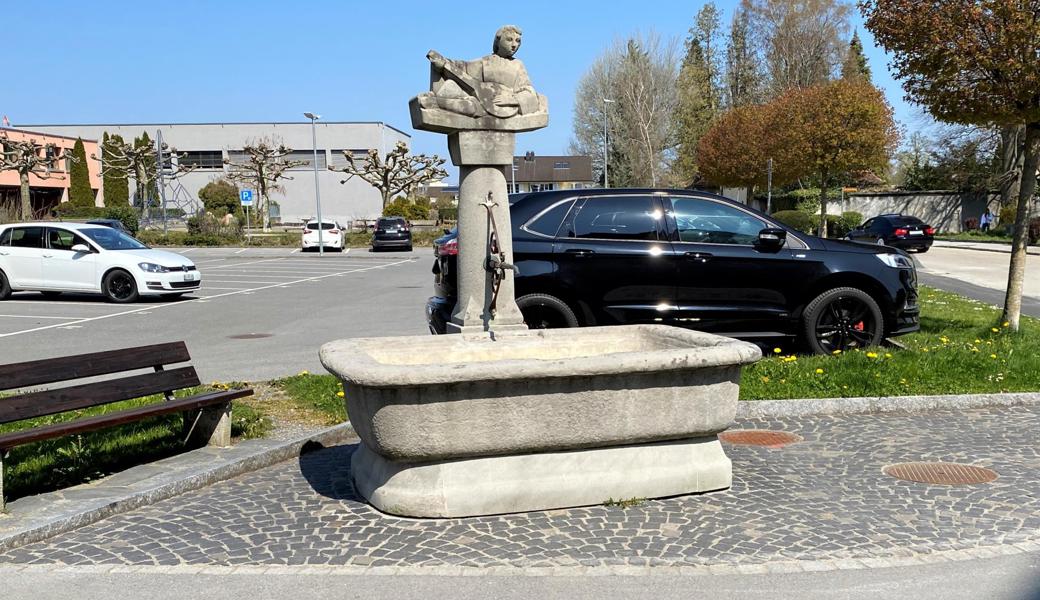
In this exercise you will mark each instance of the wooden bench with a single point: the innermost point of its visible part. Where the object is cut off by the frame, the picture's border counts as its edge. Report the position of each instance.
(210, 425)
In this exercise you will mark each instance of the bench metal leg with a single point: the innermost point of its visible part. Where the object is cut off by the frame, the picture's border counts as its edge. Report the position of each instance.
(213, 427)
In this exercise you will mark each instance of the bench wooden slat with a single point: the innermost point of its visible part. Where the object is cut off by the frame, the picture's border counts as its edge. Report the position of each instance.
(18, 438)
(49, 402)
(51, 370)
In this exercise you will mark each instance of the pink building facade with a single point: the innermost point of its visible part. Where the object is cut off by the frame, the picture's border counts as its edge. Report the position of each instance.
(48, 192)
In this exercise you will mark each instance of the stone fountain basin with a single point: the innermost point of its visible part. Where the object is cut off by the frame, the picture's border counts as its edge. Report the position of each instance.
(422, 398)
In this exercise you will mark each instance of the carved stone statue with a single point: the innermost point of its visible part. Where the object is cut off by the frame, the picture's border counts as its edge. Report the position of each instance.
(491, 93)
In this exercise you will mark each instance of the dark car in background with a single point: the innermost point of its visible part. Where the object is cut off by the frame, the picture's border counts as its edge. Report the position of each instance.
(691, 259)
(392, 232)
(113, 223)
(897, 231)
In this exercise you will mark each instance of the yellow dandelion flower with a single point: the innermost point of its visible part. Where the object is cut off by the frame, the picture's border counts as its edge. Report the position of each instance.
(944, 339)
(305, 372)
(994, 329)
(777, 351)
(844, 387)
(340, 394)
(836, 352)
(871, 354)
(924, 349)
(978, 341)
(887, 355)
(974, 349)
(1005, 324)
(765, 380)
(902, 381)
(819, 371)
(783, 381)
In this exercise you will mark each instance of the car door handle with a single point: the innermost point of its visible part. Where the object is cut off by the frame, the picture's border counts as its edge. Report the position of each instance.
(2, 253)
(48, 256)
(698, 256)
(579, 251)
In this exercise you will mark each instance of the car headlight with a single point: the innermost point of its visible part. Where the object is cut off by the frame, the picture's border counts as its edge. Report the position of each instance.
(896, 261)
(153, 268)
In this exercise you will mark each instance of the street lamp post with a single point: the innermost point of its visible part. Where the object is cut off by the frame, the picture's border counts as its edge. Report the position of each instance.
(606, 101)
(317, 194)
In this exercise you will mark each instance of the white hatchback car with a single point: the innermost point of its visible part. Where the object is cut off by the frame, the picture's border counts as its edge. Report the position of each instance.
(332, 234)
(75, 257)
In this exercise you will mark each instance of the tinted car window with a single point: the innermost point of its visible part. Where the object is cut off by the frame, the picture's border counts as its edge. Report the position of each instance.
(5, 238)
(903, 221)
(27, 237)
(61, 239)
(548, 223)
(620, 218)
(113, 239)
(708, 222)
(324, 226)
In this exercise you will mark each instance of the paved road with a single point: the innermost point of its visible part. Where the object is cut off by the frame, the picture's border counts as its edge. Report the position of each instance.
(978, 274)
(296, 301)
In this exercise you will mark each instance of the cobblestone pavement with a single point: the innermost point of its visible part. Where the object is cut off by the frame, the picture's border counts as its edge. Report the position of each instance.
(822, 499)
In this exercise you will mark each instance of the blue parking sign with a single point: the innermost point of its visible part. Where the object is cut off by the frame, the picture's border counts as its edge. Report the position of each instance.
(246, 196)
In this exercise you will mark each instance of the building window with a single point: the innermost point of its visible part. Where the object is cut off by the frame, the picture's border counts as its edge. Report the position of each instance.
(307, 156)
(201, 159)
(542, 187)
(339, 161)
(561, 165)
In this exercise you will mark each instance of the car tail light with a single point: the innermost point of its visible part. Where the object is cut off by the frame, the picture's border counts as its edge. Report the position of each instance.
(404, 229)
(900, 231)
(450, 248)
(929, 230)
(305, 230)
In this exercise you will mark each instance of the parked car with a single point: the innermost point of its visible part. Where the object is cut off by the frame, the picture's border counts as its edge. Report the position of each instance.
(897, 231)
(691, 259)
(332, 235)
(113, 223)
(392, 232)
(77, 257)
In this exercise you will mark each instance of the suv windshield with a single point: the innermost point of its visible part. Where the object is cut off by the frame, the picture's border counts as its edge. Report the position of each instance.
(112, 239)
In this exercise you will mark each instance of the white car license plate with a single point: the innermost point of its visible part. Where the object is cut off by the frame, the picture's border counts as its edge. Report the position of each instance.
(916, 233)
(190, 277)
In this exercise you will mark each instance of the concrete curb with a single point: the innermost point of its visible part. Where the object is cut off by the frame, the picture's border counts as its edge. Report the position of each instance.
(39, 517)
(983, 247)
(850, 406)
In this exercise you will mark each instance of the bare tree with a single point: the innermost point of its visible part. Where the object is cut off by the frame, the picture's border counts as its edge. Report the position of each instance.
(639, 77)
(396, 173)
(264, 165)
(29, 157)
(138, 160)
(804, 40)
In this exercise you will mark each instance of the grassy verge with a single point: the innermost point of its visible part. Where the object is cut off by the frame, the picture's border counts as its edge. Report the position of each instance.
(72, 460)
(975, 236)
(962, 348)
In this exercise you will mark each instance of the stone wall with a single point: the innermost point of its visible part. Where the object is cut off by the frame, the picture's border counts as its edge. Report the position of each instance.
(944, 210)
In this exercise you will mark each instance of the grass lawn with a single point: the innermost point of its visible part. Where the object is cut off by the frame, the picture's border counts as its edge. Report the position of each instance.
(976, 236)
(962, 348)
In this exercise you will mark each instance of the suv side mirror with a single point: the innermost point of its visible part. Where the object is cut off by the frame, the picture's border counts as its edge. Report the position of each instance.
(771, 238)
(80, 249)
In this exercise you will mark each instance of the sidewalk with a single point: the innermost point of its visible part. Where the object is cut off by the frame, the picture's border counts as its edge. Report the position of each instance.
(984, 246)
(822, 503)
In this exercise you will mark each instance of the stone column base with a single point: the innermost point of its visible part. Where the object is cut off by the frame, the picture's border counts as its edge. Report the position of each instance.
(527, 482)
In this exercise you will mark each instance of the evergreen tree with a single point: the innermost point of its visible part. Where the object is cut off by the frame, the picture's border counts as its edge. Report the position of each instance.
(114, 182)
(146, 194)
(743, 73)
(855, 64)
(80, 193)
(699, 94)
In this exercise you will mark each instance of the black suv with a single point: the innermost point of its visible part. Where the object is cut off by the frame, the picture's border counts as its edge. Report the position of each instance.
(392, 232)
(898, 231)
(692, 259)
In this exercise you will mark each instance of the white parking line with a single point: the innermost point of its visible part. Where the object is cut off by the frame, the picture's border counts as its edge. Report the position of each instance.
(188, 302)
(241, 281)
(211, 287)
(19, 302)
(241, 251)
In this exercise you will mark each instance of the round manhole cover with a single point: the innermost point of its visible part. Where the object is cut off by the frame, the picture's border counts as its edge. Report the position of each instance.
(759, 437)
(250, 336)
(941, 473)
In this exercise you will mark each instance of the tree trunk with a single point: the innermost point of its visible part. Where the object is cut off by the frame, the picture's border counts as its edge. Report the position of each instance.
(1017, 270)
(265, 211)
(823, 206)
(27, 215)
(1011, 156)
(386, 198)
(750, 195)
(142, 194)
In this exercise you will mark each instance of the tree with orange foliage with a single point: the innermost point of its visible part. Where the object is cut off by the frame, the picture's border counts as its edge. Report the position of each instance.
(735, 150)
(836, 128)
(972, 62)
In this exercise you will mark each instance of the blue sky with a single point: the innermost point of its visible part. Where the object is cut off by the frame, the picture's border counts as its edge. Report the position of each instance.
(227, 61)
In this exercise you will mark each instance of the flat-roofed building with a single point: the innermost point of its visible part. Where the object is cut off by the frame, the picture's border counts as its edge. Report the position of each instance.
(205, 147)
(533, 173)
(45, 193)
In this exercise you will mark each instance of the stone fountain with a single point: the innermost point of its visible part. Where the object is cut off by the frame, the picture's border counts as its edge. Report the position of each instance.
(501, 419)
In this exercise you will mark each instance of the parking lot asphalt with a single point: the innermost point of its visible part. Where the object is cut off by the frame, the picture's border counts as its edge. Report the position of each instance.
(261, 313)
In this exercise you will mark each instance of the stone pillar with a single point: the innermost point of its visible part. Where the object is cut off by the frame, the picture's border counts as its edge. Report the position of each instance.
(213, 427)
(482, 156)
